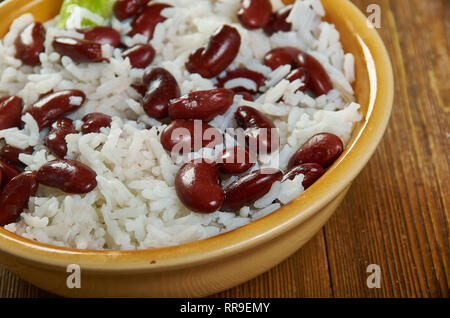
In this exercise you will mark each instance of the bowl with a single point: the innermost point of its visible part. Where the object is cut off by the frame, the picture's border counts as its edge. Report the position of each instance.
(218, 263)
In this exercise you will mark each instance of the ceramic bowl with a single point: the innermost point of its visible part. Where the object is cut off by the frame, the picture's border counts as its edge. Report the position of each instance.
(215, 264)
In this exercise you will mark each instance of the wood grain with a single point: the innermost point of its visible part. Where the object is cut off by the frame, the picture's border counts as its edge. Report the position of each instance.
(396, 212)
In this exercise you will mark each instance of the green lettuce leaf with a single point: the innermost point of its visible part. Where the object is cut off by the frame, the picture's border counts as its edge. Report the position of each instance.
(84, 13)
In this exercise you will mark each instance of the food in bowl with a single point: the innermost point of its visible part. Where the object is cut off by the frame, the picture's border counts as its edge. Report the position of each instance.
(172, 122)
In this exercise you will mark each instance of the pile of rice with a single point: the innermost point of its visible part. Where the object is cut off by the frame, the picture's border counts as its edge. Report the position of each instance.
(135, 205)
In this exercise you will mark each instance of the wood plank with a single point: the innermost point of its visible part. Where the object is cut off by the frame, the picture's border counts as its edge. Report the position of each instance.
(399, 216)
(12, 286)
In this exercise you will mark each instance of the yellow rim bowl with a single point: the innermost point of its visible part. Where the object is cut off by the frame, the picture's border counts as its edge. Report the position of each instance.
(211, 265)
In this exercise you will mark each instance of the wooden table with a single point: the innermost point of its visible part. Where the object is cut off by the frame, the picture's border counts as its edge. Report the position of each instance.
(396, 213)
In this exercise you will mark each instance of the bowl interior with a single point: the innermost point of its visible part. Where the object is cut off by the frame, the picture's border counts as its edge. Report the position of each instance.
(374, 91)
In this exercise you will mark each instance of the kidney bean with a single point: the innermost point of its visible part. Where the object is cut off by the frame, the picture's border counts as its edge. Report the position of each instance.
(30, 43)
(56, 138)
(220, 52)
(141, 89)
(140, 55)
(124, 9)
(11, 154)
(54, 105)
(249, 188)
(94, 121)
(278, 21)
(67, 175)
(246, 95)
(323, 149)
(8, 172)
(320, 82)
(162, 88)
(197, 187)
(10, 112)
(235, 160)
(281, 56)
(253, 76)
(183, 133)
(102, 35)
(255, 14)
(310, 171)
(203, 105)
(15, 196)
(302, 74)
(78, 50)
(146, 21)
(253, 121)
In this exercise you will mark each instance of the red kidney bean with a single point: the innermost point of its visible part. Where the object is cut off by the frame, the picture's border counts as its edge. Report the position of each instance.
(102, 35)
(256, 77)
(310, 171)
(124, 9)
(141, 89)
(52, 106)
(140, 55)
(323, 149)
(302, 74)
(162, 87)
(30, 43)
(8, 172)
(10, 112)
(67, 175)
(281, 56)
(146, 21)
(94, 121)
(235, 160)
(253, 121)
(220, 52)
(56, 138)
(15, 196)
(11, 154)
(278, 21)
(203, 105)
(78, 50)
(183, 133)
(249, 188)
(197, 186)
(246, 95)
(255, 14)
(320, 82)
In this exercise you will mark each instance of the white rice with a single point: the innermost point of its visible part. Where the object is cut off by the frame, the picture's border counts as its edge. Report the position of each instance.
(135, 205)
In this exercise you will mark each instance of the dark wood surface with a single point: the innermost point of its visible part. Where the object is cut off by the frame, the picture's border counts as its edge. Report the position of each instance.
(396, 212)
